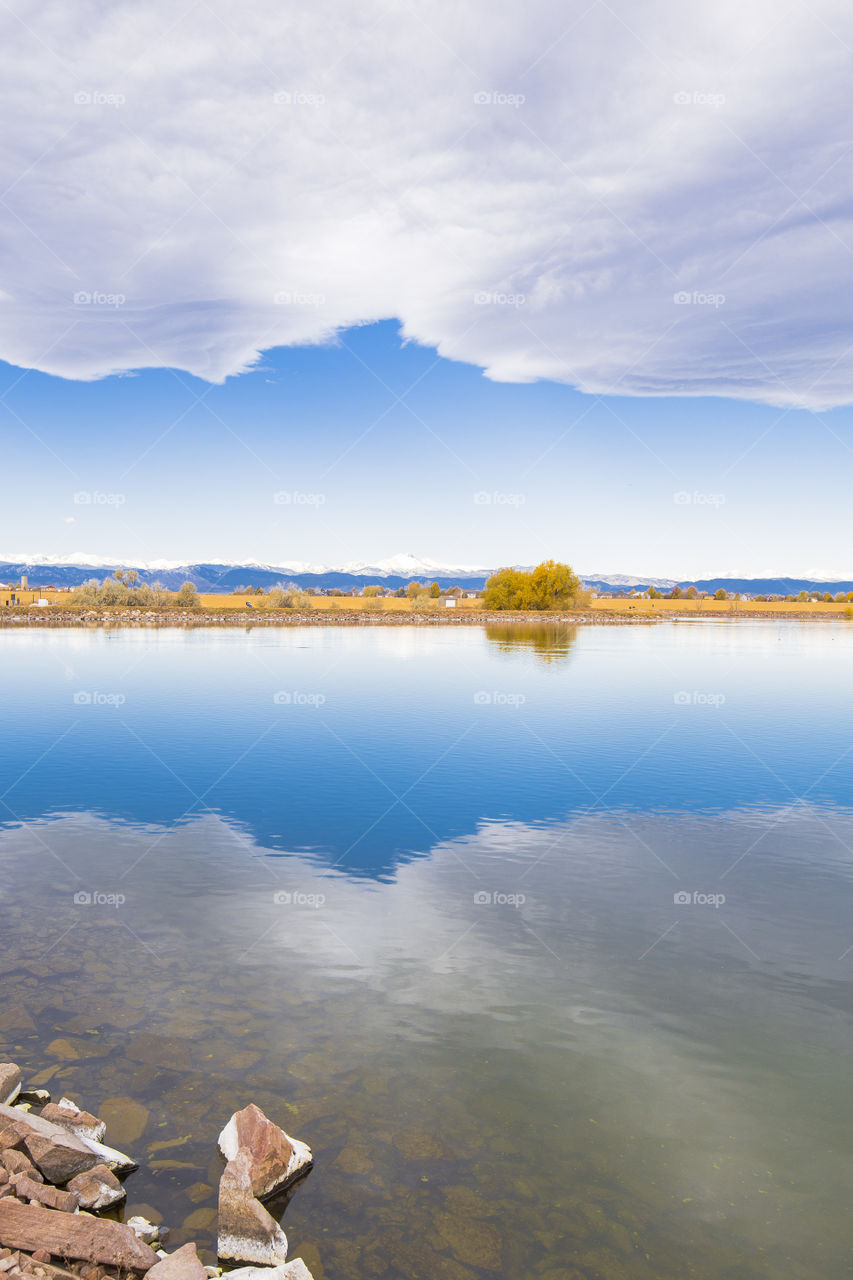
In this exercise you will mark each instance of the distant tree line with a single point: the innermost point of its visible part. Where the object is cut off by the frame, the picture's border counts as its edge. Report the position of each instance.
(124, 590)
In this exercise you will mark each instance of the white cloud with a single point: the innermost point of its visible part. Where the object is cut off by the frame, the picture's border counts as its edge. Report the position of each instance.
(629, 153)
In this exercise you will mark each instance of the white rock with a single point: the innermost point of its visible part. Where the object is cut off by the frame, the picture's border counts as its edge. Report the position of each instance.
(109, 1156)
(143, 1229)
(295, 1270)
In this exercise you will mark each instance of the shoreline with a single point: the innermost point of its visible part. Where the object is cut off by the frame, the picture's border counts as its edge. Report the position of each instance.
(40, 619)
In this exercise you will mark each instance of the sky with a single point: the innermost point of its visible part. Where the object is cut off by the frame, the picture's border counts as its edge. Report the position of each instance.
(474, 283)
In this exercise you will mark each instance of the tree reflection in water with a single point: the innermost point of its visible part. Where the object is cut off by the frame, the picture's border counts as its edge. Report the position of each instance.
(549, 642)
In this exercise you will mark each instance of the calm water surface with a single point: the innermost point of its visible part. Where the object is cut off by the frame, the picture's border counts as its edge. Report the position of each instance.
(541, 938)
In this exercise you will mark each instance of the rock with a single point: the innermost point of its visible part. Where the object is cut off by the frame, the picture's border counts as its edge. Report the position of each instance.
(198, 1191)
(125, 1120)
(247, 1233)
(73, 1235)
(59, 1154)
(16, 1162)
(38, 1097)
(421, 1146)
(274, 1158)
(10, 1082)
(16, 1018)
(170, 1052)
(57, 1158)
(143, 1229)
(28, 1189)
(183, 1264)
(64, 1049)
(476, 1243)
(69, 1116)
(97, 1188)
(116, 1160)
(199, 1220)
(48, 1270)
(11, 1135)
(141, 1210)
(295, 1270)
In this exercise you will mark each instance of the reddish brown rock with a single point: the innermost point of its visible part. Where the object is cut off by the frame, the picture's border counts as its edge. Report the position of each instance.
(97, 1188)
(10, 1081)
(274, 1158)
(72, 1235)
(11, 1135)
(15, 1161)
(58, 1153)
(81, 1123)
(183, 1264)
(49, 1270)
(247, 1233)
(28, 1189)
(59, 1158)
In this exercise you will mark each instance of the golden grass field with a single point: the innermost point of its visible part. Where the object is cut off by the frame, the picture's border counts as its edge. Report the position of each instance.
(606, 604)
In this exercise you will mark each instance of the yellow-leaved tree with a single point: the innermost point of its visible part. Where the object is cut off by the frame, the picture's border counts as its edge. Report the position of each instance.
(551, 585)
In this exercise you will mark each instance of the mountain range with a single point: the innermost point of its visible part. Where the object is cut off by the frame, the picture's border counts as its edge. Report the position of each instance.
(396, 571)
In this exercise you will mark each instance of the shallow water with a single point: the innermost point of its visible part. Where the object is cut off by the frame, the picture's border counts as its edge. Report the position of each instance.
(416, 895)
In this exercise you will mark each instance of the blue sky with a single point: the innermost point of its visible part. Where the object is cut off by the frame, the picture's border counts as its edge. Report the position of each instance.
(591, 261)
(462, 469)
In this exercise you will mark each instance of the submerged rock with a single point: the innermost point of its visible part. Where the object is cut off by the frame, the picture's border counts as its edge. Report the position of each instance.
(247, 1233)
(274, 1158)
(125, 1119)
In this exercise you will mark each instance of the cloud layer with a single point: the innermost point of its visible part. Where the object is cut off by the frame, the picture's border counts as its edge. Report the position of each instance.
(637, 197)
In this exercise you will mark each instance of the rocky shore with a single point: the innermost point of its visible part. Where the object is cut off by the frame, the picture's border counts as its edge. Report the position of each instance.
(41, 618)
(62, 1197)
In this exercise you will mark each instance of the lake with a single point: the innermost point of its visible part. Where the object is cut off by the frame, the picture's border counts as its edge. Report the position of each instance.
(540, 937)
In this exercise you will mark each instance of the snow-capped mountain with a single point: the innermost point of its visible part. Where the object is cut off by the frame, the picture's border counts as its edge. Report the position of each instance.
(395, 571)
